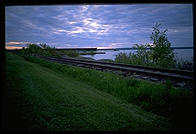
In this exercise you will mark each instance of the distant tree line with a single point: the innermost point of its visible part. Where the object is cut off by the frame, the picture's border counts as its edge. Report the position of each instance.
(46, 50)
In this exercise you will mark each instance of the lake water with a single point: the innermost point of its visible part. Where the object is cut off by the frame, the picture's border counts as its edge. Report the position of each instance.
(185, 54)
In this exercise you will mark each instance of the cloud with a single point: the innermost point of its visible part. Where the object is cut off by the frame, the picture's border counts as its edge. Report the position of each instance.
(84, 8)
(86, 25)
(71, 22)
(182, 29)
(15, 43)
(68, 46)
(89, 26)
(30, 24)
(18, 44)
(117, 44)
(77, 30)
(12, 47)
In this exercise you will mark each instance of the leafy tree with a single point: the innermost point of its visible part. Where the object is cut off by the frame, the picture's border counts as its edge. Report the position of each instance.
(33, 48)
(123, 58)
(44, 46)
(71, 53)
(41, 49)
(142, 55)
(161, 53)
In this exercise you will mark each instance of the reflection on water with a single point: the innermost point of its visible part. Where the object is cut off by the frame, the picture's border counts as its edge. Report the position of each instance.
(185, 54)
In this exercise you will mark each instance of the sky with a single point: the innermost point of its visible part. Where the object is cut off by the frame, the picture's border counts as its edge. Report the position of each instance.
(101, 26)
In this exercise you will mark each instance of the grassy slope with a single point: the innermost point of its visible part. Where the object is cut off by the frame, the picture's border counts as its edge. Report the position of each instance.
(39, 98)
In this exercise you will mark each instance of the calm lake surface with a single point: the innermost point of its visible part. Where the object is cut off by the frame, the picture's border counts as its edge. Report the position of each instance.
(184, 54)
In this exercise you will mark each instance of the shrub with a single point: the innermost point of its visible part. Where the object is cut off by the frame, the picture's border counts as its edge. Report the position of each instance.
(185, 65)
(71, 53)
(33, 48)
(159, 55)
(41, 49)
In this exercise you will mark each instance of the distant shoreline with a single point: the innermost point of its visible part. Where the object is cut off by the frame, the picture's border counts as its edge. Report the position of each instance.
(115, 49)
(146, 48)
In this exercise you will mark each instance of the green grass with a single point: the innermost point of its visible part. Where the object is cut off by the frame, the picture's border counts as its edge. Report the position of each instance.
(39, 98)
(154, 97)
(71, 53)
(88, 53)
(134, 59)
(165, 100)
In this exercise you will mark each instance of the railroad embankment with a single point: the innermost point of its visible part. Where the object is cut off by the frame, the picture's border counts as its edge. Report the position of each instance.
(52, 96)
(39, 98)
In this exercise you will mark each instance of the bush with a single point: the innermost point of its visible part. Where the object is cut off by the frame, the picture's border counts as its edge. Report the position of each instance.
(71, 53)
(185, 65)
(159, 55)
(41, 49)
(122, 58)
(161, 52)
(33, 48)
(141, 57)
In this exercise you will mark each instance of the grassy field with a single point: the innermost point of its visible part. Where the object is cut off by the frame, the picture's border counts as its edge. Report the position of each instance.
(39, 98)
(154, 97)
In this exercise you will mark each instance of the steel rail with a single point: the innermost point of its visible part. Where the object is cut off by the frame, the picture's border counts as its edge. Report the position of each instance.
(138, 66)
(166, 73)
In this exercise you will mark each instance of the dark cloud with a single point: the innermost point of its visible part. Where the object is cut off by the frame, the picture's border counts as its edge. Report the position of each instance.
(98, 25)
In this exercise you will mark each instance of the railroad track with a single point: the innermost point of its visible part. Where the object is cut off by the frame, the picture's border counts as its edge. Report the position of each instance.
(129, 69)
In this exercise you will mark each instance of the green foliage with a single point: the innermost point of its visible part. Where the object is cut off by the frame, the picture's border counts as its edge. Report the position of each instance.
(157, 98)
(141, 57)
(185, 65)
(122, 58)
(71, 53)
(44, 46)
(51, 99)
(92, 53)
(142, 53)
(24, 50)
(41, 49)
(159, 55)
(33, 48)
(168, 84)
(88, 53)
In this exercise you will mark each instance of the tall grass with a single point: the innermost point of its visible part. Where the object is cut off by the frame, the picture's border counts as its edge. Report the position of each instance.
(135, 59)
(157, 98)
(38, 98)
(71, 53)
(185, 64)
